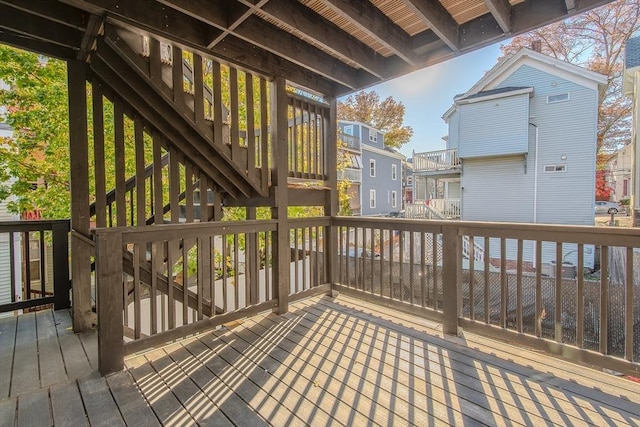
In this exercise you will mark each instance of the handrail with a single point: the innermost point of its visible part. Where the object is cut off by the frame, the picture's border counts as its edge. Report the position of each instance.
(420, 266)
(436, 160)
(57, 292)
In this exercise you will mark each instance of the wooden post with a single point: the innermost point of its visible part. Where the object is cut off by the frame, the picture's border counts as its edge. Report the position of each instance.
(331, 200)
(451, 257)
(61, 284)
(79, 158)
(279, 123)
(110, 301)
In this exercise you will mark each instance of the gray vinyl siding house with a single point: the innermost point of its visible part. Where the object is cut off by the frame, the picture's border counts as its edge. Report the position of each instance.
(526, 136)
(381, 186)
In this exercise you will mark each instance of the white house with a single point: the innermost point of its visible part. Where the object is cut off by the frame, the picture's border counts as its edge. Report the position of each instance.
(618, 174)
(521, 146)
(631, 88)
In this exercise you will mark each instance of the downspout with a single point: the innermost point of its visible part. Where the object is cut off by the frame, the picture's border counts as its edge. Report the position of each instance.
(535, 178)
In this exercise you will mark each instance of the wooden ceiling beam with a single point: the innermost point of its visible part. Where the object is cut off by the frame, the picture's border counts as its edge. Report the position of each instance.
(438, 19)
(501, 11)
(268, 37)
(34, 45)
(21, 22)
(325, 33)
(49, 10)
(376, 24)
(192, 33)
(95, 27)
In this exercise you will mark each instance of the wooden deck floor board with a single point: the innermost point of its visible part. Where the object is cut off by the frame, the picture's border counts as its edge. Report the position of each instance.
(7, 344)
(551, 373)
(98, 402)
(8, 411)
(134, 409)
(33, 408)
(66, 405)
(253, 378)
(204, 402)
(517, 400)
(26, 372)
(308, 368)
(368, 374)
(327, 362)
(50, 357)
(75, 358)
(163, 402)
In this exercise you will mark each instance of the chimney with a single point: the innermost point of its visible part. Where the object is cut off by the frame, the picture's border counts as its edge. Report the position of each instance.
(536, 45)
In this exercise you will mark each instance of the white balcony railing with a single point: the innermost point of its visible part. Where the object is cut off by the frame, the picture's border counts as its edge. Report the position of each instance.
(434, 209)
(436, 160)
(353, 175)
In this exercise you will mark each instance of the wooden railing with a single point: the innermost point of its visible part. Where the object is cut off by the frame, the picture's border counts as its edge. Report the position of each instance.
(436, 160)
(307, 139)
(587, 309)
(434, 209)
(34, 259)
(159, 283)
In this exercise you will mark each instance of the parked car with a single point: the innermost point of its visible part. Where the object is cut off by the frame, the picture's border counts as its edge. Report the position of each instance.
(366, 253)
(603, 207)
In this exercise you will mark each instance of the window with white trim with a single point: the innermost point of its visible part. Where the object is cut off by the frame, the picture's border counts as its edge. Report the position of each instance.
(372, 199)
(373, 135)
(372, 167)
(555, 168)
(348, 129)
(394, 199)
(561, 97)
(394, 172)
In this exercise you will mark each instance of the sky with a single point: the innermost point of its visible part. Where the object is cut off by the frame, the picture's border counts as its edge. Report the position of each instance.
(427, 94)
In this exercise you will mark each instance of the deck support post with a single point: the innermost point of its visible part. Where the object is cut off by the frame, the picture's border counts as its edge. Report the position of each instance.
(61, 283)
(79, 158)
(331, 202)
(109, 301)
(451, 266)
(281, 251)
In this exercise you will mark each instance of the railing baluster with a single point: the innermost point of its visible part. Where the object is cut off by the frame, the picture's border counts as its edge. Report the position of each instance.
(434, 270)
(539, 306)
(155, 269)
(236, 271)
(504, 285)
(628, 307)
(604, 299)
(519, 286)
(412, 245)
(423, 273)
(170, 299)
(137, 317)
(580, 298)
(401, 262)
(487, 269)
(558, 295)
(472, 270)
(12, 265)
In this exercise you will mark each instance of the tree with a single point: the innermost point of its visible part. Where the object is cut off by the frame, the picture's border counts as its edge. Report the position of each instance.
(595, 40)
(603, 191)
(386, 116)
(38, 153)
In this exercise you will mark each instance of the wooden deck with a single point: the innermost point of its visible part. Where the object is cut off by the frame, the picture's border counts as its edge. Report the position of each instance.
(328, 361)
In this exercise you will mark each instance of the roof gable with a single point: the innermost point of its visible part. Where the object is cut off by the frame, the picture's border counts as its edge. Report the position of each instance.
(542, 62)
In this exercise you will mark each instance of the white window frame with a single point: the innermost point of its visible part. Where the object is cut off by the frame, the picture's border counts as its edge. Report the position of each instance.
(373, 135)
(394, 172)
(372, 168)
(550, 99)
(557, 168)
(394, 199)
(372, 199)
(348, 130)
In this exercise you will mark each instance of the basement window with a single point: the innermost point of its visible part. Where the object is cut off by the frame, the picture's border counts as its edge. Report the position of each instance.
(562, 97)
(555, 168)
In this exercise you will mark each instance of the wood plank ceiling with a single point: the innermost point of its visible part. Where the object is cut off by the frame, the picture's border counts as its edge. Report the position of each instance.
(332, 47)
